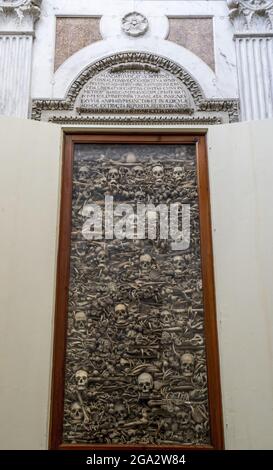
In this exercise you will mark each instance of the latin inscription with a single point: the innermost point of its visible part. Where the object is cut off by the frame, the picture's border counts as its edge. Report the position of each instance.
(134, 90)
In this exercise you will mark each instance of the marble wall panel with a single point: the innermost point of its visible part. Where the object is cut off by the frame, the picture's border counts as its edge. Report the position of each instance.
(195, 34)
(72, 34)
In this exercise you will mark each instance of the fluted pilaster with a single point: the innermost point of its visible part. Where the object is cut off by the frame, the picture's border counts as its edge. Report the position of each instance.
(253, 35)
(17, 21)
(255, 76)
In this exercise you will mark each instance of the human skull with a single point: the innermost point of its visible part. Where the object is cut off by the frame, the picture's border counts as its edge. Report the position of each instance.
(83, 172)
(81, 377)
(101, 258)
(121, 312)
(103, 180)
(120, 411)
(99, 364)
(145, 382)
(166, 317)
(131, 158)
(104, 345)
(187, 364)
(140, 195)
(113, 174)
(80, 321)
(138, 172)
(158, 172)
(100, 181)
(76, 412)
(124, 171)
(184, 416)
(178, 262)
(166, 338)
(178, 172)
(124, 365)
(145, 262)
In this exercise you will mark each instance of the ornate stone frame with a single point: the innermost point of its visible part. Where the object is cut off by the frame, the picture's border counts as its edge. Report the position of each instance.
(62, 111)
(56, 441)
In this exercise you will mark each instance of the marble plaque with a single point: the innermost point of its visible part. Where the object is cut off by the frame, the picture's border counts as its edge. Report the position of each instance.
(135, 88)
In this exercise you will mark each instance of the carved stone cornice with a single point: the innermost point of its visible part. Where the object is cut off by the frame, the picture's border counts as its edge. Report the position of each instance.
(119, 59)
(20, 9)
(206, 111)
(142, 120)
(251, 17)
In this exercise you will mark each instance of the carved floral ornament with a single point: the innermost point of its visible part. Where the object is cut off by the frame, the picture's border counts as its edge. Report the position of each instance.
(134, 24)
(251, 16)
(21, 7)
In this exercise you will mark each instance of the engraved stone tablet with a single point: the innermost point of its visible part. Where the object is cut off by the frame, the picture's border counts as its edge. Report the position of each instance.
(135, 88)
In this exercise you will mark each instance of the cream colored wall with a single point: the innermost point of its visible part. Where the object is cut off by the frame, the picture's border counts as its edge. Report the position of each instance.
(29, 191)
(241, 172)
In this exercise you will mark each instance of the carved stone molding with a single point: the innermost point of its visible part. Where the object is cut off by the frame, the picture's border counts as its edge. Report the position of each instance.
(134, 24)
(251, 16)
(203, 111)
(161, 119)
(21, 8)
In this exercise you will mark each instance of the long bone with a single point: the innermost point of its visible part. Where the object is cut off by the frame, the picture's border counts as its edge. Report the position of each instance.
(86, 417)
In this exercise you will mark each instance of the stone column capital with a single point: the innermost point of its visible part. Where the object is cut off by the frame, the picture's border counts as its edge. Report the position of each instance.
(251, 17)
(18, 15)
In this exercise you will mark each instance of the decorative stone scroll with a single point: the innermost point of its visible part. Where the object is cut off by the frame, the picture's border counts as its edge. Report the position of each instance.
(135, 87)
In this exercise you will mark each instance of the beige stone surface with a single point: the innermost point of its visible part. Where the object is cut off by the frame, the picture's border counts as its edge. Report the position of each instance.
(195, 34)
(72, 34)
(30, 155)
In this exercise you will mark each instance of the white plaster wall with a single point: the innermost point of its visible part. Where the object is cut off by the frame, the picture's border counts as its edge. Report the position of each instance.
(46, 84)
(241, 172)
(29, 193)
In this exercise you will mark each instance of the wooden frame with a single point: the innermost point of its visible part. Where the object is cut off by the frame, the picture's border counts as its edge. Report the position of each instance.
(60, 328)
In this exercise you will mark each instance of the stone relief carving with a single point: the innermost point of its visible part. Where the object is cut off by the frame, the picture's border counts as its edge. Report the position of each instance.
(21, 8)
(160, 107)
(134, 24)
(135, 359)
(254, 16)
